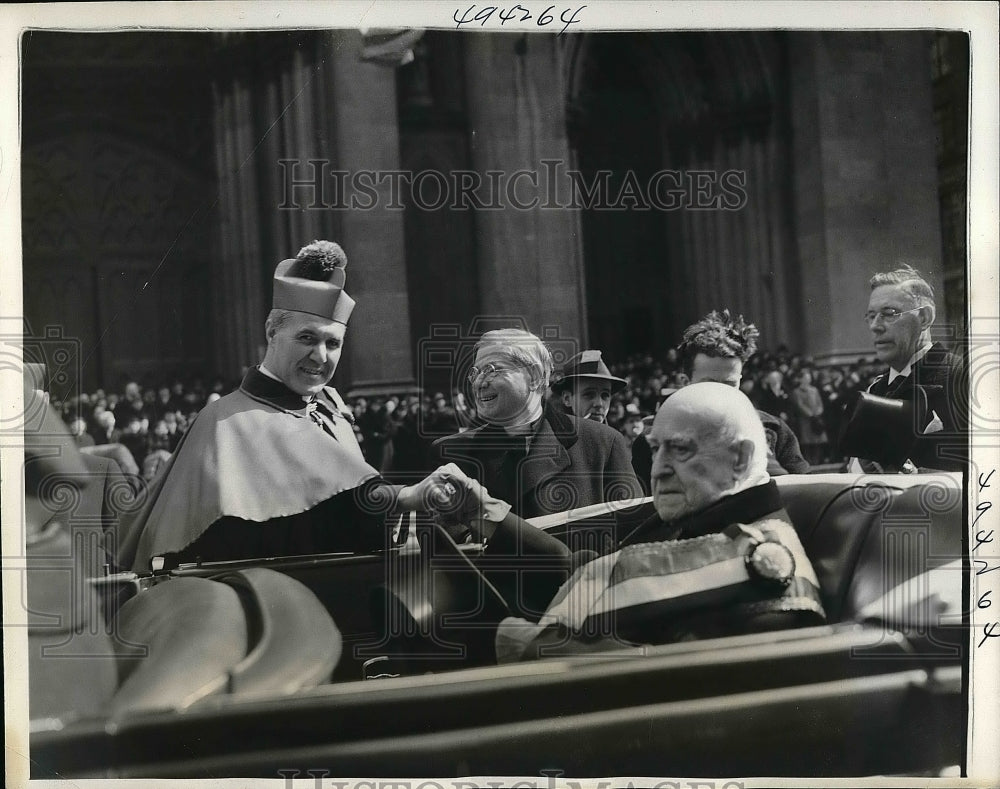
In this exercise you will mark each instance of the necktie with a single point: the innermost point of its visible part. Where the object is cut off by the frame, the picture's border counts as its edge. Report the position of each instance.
(898, 383)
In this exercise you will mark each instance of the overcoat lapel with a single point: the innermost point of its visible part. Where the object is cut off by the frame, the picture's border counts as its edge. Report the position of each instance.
(547, 456)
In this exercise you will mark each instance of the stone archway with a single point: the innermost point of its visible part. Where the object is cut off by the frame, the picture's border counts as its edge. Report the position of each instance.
(710, 110)
(117, 187)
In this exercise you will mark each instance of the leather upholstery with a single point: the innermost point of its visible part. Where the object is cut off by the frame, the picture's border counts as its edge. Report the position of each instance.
(853, 528)
(866, 535)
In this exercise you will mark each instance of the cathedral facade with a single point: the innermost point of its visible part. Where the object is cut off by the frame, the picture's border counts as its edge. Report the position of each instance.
(602, 189)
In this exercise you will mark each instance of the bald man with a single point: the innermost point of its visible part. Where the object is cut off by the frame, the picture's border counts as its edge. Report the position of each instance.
(720, 557)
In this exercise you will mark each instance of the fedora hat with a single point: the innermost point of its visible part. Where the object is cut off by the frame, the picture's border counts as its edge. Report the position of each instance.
(587, 364)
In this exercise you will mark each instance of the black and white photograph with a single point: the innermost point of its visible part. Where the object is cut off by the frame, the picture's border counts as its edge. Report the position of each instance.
(452, 395)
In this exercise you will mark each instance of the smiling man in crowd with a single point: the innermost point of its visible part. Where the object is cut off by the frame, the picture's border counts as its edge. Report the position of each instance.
(720, 556)
(274, 468)
(900, 314)
(539, 460)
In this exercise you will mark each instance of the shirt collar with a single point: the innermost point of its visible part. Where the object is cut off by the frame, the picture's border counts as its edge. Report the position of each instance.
(522, 435)
(272, 376)
(908, 367)
(263, 385)
(267, 372)
(525, 429)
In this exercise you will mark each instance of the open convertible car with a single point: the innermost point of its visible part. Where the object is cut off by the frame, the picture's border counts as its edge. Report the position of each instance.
(350, 665)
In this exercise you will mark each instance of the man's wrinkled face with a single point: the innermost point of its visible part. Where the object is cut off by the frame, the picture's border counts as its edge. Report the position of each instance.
(305, 351)
(503, 392)
(589, 398)
(721, 370)
(693, 465)
(895, 341)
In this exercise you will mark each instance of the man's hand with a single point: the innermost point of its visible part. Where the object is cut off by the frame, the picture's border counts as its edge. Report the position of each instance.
(472, 506)
(438, 491)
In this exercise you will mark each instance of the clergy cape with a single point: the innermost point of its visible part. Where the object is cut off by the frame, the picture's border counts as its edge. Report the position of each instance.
(254, 454)
(647, 585)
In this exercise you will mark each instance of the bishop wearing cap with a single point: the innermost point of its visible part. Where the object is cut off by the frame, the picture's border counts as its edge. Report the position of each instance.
(274, 469)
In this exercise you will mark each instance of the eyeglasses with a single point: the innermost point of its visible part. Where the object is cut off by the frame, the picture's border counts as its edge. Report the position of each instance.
(887, 314)
(489, 370)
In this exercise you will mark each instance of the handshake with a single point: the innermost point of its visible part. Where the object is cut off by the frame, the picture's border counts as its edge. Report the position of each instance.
(454, 498)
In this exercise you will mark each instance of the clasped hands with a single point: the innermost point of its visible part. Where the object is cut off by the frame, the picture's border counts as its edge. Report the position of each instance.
(453, 497)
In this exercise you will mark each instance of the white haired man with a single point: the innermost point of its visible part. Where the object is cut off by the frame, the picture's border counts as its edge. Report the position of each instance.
(900, 314)
(720, 557)
(274, 469)
(539, 460)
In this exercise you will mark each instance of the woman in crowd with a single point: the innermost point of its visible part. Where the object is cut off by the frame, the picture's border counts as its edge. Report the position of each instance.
(807, 407)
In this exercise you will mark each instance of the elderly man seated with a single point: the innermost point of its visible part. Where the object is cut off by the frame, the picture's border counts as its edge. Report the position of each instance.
(720, 557)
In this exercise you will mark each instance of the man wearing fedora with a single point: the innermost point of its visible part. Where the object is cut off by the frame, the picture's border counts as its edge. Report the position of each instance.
(528, 454)
(586, 385)
(922, 373)
(274, 468)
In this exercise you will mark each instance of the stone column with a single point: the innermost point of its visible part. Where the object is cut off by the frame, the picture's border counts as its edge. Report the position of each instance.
(285, 117)
(361, 108)
(238, 302)
(529, 260)
(865, 180)
(263, 114)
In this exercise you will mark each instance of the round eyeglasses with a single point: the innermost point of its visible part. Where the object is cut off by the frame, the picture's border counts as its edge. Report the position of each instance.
(887, 315)
(489, 370)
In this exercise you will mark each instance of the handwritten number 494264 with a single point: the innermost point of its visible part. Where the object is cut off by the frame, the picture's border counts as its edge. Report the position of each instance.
(516, 13)
(984, 537)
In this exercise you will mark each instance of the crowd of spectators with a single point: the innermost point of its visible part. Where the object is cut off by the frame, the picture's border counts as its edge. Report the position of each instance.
(145, 424)
(808, 397)
(395, 431)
